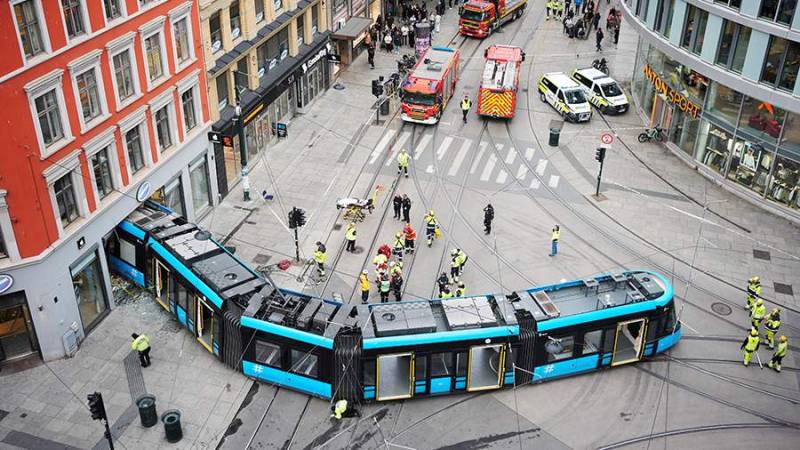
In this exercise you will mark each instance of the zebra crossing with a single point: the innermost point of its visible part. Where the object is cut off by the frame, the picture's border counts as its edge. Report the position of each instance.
(498, 163)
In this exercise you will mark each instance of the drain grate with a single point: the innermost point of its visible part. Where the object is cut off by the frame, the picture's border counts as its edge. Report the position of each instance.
(261, 258)
(721, 308)
(761, 254)
(785, 289)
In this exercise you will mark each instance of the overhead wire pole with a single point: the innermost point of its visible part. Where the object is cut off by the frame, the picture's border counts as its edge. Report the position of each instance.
(242, 140)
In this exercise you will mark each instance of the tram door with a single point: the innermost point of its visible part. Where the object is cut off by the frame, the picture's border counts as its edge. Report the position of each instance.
(395, 376)
(161, 278)
(628, 342)
(486, 363)
(205, 324)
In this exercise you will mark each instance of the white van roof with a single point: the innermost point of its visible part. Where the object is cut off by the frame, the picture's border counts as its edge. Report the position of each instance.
(561, 80)
(595, 75)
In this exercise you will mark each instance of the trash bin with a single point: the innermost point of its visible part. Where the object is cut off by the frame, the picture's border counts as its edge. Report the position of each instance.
(147, 410)
(555, 132)
(172, 425)
(385, 107)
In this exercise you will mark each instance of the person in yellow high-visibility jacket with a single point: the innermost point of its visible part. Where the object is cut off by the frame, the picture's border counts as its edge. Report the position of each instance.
(554, 240)
(319, 257)
(363, 281)
(402, 162)
(758, 313)
(753, 291)
(350, 237)
(750, 345)
(771, 326)
(780, 352)
(141, 343)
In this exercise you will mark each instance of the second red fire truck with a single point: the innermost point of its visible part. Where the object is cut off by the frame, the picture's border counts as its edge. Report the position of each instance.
(497, 96)
(429, 86)
(478, 18)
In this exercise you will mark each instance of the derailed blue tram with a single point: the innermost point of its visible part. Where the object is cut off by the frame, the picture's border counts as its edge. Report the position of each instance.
(381, 352)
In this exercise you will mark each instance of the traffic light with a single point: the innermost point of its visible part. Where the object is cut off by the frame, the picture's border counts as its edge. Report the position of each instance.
(600, 154)
(96, 406)
(297, 218)
(377, 88)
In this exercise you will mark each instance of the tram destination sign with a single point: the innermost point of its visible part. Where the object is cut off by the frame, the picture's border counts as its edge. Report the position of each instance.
(680, 100)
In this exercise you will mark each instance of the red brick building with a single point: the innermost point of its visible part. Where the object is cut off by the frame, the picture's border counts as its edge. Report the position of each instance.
(104, 104)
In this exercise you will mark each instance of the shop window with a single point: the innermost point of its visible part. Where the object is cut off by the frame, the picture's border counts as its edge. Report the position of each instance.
(16, 328)
(198, 174)
(714, 146)
(761, 120)
(733, 46)
(724, 103)
(90, 293)
(304, 363)
(268, 353)
(781, 11)
(559, 348)
(750, 165)
(442, 365)
(591, 342)
(171, 196)
(784, 187)
(735, 4)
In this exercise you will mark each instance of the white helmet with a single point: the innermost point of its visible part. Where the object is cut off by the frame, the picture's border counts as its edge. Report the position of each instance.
(454, 252)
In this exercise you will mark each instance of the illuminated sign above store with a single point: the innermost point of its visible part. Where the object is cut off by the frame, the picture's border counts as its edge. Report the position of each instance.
(680, 100)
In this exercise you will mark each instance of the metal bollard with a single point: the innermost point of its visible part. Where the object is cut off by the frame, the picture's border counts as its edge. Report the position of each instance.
(172, 425)
(147, 410)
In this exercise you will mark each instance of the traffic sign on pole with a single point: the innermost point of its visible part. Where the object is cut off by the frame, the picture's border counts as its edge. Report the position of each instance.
(607, 138)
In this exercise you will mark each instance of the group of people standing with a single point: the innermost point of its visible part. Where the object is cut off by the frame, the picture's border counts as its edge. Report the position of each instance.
(579, 21)
(772, 322)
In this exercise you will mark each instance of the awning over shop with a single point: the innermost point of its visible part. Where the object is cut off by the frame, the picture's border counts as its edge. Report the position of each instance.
(352, 29)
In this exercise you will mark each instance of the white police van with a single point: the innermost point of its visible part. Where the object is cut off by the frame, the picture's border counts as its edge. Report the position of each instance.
(565, 96)
(603, 92)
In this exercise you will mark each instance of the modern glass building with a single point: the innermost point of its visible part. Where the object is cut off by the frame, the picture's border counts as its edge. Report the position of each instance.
(721, 77)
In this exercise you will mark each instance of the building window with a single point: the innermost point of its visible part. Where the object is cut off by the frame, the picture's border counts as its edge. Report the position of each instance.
(263, 60)
(641, 8)
(781, 63)
(733, 46)
(155, 64)
(189, 109)
(198, 175)
(735, 4)
(314, 19)
(694, 29)
(101, 167)
(172, 196)
(133, 142)
(30, 34)
(222, 90)
(90, 292)
(123, 76)
(339, 5)
(73, 18)
(301, 26)
(112, 9)
(163, 134)
(240, 76)
(259, 7)
(663, 16)
(65, 199)
(277, 4)
(182, 40)
(49, 114)
(781, 11)
(236, 23)
(88, 95)
(278, 47)
(215, 31)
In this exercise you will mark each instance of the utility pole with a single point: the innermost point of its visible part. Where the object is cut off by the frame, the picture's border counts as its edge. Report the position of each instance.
(599, 156)
(242, 141)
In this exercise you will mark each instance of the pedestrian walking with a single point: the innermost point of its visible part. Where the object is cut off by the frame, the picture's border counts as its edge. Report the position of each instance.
(363, 281)
(397, 204)
(319, 257)
(460, 290)
(753, 291)
(141, 343)
(466, 104)
(406, 209)
(396, 284)
(399, 246)
(455, 266)
(758, 313)
(780, 352)
(616, 34)
(410, 236)
(350, 237)
(444, 282)
(385, 287)
(560, 11)
(554, 240)
(771, 326)
(549, 6)
(404, 32)
(371, 55)
(750, 345)
(596, 20)
(599, 39)
(431, 225)
(488, 216)
(387, 42)
(402, 162)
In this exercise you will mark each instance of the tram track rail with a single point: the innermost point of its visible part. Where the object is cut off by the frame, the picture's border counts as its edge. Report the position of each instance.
(690, 430)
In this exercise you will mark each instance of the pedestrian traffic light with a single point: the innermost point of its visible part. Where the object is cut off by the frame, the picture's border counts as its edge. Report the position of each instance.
(377, 88)
(297, 218)
(96, 406)
(600, 154)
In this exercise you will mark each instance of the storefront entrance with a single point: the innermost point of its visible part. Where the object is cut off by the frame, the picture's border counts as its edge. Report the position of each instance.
(90, 292)
(17, 338)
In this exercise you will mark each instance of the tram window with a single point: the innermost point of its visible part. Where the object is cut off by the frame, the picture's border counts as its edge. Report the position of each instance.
(609, 338)
(670, 321)
(511, 358)
(369, 372)
(462, 361)
(567, 344)
(269, 354)
(420, 367)
(127, 252)
(441, 365)
(182, 295)
(304, 363)
(653, 326)
(591, 342)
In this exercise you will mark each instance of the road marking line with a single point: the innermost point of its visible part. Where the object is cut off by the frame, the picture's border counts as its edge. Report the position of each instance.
(522, 172)
(429, 169)
(501, 177)
(381, 146)
(512, 155)
(474, 167)
(397, 146)
(443, 147)
(540, 166)
(462, 153)
(553, 181)
(529, 153)
(535, 183)
(421, 146)
(499, 147)
(487, 170)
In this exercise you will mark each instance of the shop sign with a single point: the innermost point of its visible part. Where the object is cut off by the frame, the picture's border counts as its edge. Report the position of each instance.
(281, 130)
(313, 60)
(333, 57)
(680, 100)
(143, 192)
(215, 137)
(6, 281)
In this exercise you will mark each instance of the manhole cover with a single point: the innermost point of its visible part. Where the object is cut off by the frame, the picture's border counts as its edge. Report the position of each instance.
(338, 86)
(721, 308)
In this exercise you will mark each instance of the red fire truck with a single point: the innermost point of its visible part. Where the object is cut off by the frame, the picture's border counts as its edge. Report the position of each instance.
(428, 87)
(478, 18)
(497, 96)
